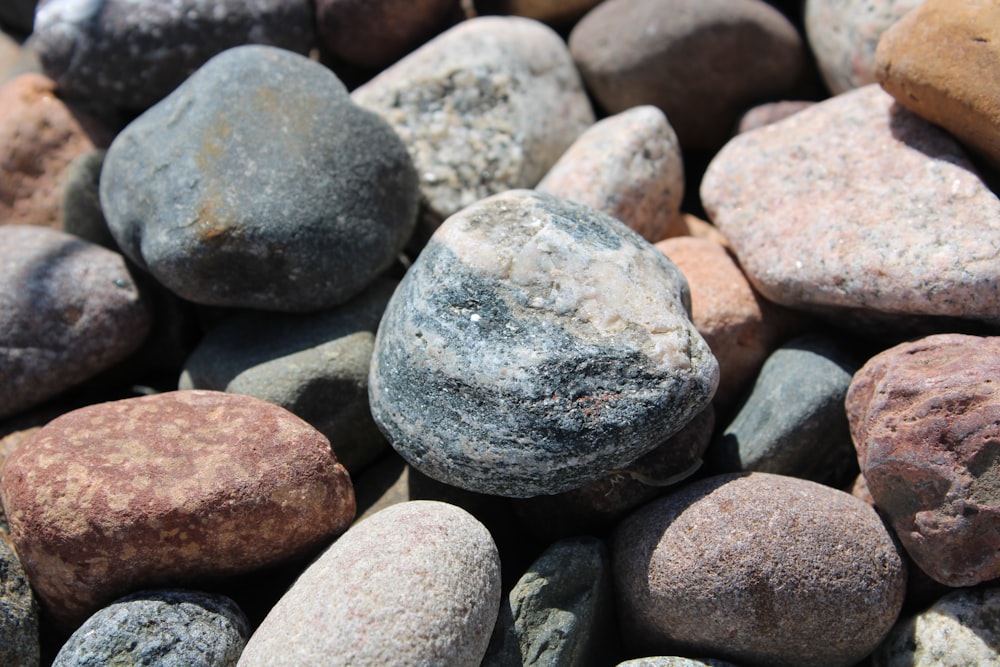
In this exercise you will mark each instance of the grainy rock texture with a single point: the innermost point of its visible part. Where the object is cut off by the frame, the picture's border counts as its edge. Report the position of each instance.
(534, 346)
(488, 106)
(169, 628)
(18, 614)
(850, 206)
(415, 584)
(68, 310)
(132, 54)
(630, 167)
(942, 61)
(759, 569)
(690, 59)
(231, 197)
(925, 419)
(772, 112)
(165, 489)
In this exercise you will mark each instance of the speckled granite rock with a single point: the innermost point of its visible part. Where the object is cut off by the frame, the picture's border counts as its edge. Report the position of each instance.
(165, 489)
(68, 310)
(843, 36)
(488, 106)
(671, 661)
(416, 584)
(690, 59)
(131, 55)
(941, 61)
(960, 630)
(231, 198)
(19, 645)
(314, 365)
(924, 419)
(630, 167)
(758, 569)
(170, 628)
(535, 346)
(772, 112)
(850, 207)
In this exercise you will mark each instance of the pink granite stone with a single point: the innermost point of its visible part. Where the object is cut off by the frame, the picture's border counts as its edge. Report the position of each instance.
(766, 114)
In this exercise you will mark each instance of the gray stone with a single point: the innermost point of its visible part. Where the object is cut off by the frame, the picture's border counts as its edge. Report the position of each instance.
(167, 628)
(81, 201)
(487, 106)
(793, 421)
(535, 346)
(68, 310)
(18, 613)
(314, 365)
(231, 196)
(560, 613)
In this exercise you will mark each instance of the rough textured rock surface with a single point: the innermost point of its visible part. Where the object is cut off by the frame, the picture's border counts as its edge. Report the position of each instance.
(629, 166)
(534, 346)
(313, 365)
(171, 627)
(416, 584)
(689, 58)
(18, 614)
(68, 310)
(843, 36)
(488, 106)
(131, 55)
(850, 206)
(231, 198)
(758, 569)
(942, 61)
(165, 489)
(925, 419)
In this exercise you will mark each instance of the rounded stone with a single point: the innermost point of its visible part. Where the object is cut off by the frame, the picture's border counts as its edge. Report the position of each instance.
(673, 661)
(171, 628)
(535, 346)
(772, 112)
(758, 569)
(19, 646)
(415, 584)
(231, 198)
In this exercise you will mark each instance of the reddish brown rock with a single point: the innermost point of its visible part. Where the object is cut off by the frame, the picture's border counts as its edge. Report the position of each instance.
(925, 419)
(167, 489)
(692, 225)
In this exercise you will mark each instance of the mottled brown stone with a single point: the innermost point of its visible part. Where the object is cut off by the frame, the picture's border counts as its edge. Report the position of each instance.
(166, 489)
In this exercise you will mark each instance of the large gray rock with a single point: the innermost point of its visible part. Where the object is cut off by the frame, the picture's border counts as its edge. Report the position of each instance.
(18, 613)
(534, 346)
(230, 195)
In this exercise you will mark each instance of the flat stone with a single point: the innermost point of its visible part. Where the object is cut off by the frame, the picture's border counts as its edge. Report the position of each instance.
(958, 87)
(68, 310)
(165, 489)
(488, 106)
(172, 628)
(628, 166)
(19, 645)
(230, 198)
(417, 583)
(925, 419)
(849, 207)
(534, 346)
(758, 569)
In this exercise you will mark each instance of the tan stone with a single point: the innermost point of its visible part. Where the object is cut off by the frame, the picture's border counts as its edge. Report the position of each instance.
(692, 225)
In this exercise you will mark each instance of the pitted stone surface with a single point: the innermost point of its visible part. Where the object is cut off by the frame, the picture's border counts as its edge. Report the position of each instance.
(165, 489)
(19, 645)
(925, 419)
(68, 310)
(534, 346)
(231, 197)
(415, 584)
(851, 205)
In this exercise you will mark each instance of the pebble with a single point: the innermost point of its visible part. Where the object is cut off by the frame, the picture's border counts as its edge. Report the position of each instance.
(690, 58)
(19, 646)
(68, 310)
(772, 112)
(170, 628)
(220, 175)
(932, 61)
(534, 346)
(131, 55)
(628, 166)
(164, 489)
(488, 106)
(314, 365)
(924, 419)
(760, 569)
(415, 584)
(848, 208)
(673, 661)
